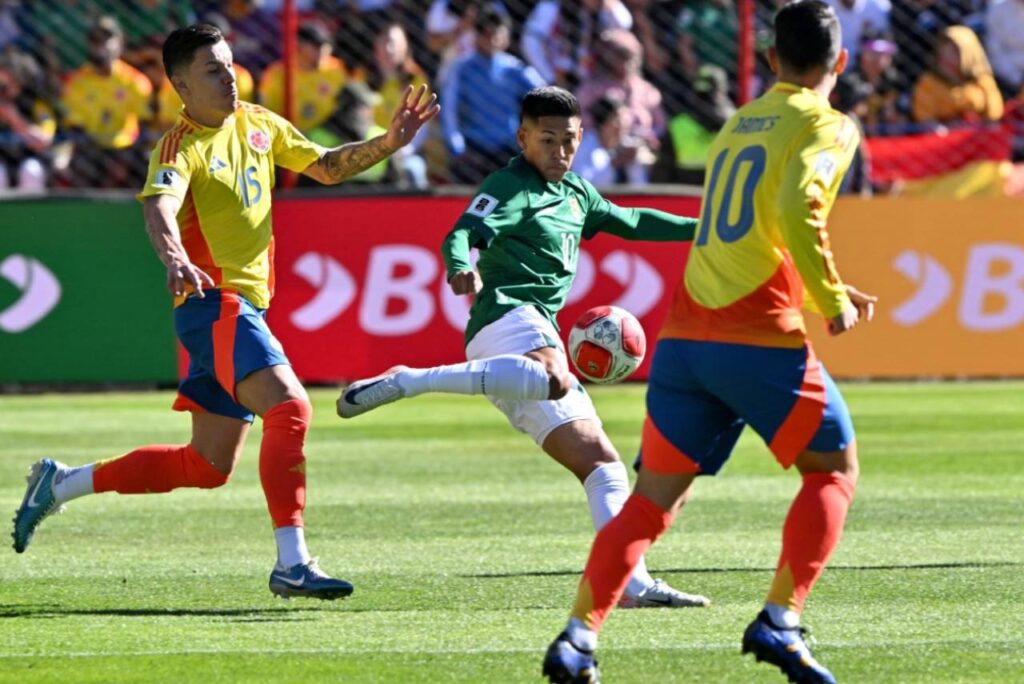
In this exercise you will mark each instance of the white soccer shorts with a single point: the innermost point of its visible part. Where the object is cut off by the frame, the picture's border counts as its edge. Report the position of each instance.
(520, 331)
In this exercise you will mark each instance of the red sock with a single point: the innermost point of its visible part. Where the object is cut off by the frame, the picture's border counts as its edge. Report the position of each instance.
(810, 535)
(616, 551)
(156, 469)
(282, 465)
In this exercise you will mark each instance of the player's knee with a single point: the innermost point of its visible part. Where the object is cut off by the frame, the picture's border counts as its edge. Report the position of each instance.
(213, 478)
(293, 415)
(559, 384)
(211, 470)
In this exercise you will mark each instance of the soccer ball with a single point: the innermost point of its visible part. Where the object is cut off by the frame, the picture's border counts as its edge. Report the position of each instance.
(607, 344)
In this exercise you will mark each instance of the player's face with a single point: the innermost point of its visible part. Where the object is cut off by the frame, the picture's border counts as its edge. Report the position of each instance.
(208, 87)
(549, 144)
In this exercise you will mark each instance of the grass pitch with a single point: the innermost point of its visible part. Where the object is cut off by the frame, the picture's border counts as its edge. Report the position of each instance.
(465, 543)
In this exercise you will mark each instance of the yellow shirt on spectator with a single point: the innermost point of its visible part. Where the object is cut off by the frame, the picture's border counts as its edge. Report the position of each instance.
(391, 95)
(108, 108)
(315, 91)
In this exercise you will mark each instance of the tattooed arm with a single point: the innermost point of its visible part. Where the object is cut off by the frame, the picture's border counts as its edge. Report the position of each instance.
(343, 162)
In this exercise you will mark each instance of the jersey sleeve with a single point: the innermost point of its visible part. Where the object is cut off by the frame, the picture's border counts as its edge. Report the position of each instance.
(807, 192)
(630, 223)
(167, 175)
(292, 150)
(496, 208)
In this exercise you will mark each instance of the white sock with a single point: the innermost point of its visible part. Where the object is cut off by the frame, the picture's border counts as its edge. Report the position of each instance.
(581, 636)
(291, 546)
(607, 490)
(73, 483)
(509, 376)
(782, 616)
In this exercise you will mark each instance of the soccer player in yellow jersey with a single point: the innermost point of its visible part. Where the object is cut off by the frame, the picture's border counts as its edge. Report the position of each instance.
(734, 351)
(207, 211)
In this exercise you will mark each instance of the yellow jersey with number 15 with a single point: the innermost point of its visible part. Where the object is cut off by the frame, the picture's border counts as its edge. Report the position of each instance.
(774, 171)
(223, 177)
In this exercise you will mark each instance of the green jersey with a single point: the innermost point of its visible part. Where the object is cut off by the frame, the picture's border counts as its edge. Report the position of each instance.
(528, 231)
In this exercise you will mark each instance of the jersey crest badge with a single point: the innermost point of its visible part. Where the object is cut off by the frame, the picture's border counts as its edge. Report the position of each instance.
(574, 207)
(258, 140)
(482, 205)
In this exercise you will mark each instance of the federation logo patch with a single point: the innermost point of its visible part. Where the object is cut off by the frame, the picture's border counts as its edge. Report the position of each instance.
(482, 205)
(165, 178)
(259, 141)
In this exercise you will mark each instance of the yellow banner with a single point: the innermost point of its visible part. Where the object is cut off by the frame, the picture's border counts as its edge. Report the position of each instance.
(950, 278)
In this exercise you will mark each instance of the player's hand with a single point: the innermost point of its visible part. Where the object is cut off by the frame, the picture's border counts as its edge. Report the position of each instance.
(865, 303)
(845, 320)
(466, 282)
(180, 274)
(417, 108)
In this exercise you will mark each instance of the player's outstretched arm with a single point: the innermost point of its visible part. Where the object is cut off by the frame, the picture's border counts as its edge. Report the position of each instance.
(160, 213)
(341, 163)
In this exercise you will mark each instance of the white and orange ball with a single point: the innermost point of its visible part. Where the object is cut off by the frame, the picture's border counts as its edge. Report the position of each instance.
(606, 344)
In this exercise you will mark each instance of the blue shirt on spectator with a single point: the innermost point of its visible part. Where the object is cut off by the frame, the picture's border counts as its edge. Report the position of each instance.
(481, 101)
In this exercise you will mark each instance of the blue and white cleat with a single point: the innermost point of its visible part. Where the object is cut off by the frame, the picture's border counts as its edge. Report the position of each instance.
(564, 663)
(786, 649)
(38, 503)
(307, 580)
(365, 395)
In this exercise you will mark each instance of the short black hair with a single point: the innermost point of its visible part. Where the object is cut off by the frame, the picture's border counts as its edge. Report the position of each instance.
(489, 17)
(807, 36)
(181, 46)
(605, 108)
(548, 101)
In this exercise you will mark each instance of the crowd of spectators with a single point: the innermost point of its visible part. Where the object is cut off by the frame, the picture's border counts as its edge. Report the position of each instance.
(83, 96)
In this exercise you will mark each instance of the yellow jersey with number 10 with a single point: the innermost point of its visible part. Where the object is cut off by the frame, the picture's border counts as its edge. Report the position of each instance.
(774, 171)
(223, 177)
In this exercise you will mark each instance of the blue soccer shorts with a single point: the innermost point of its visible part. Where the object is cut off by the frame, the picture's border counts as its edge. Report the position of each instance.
(701, 394)
(227, 339)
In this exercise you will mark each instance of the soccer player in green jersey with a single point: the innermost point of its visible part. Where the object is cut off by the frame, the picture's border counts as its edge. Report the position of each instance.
(527, 220)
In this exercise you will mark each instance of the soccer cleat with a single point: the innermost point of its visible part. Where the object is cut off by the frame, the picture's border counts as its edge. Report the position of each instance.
(661, 595)
(309, 581)
(786, 649)
(38, 503)
(365, 395)
(566, 664)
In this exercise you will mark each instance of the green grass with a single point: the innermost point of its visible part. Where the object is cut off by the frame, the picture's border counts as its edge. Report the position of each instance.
(465, 542)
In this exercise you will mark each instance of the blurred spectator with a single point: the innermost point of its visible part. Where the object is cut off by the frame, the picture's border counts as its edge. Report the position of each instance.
(859, 17)
(480, 101)
(57, 31)
(318, 79)
(683, 155)
(608, 155)
(1004, 39)
(10, 32)
(450, 32)
(106, 101)
(653, 25)
(883, 110)
(360, 20)
(559, 34)
(708, 34)
(257, 34)
(27, 125)
(392, 70)
(168, 104)
(959, 85)
(916, 26)
(352, 121)
(618, 57)
(851, 97)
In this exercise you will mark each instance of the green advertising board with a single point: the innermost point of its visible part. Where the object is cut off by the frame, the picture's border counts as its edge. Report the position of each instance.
(82, 295)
